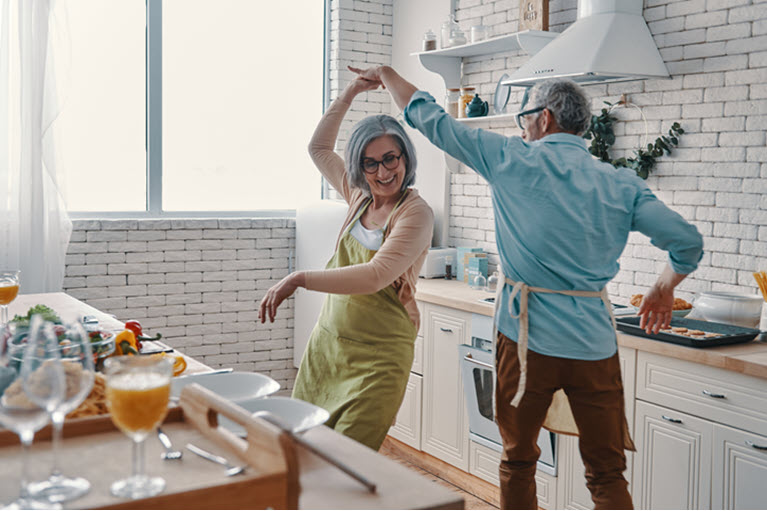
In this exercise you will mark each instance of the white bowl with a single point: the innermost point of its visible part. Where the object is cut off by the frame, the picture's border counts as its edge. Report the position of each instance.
(731, 308)
(295, 414)
(235, 386)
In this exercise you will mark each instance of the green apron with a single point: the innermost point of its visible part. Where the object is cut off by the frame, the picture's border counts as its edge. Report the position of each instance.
(358, 358)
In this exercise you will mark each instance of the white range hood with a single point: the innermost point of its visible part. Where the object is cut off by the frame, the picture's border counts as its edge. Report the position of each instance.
(609, 42)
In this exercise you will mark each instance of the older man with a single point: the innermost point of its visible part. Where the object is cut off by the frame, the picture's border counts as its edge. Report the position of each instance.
(562, 219)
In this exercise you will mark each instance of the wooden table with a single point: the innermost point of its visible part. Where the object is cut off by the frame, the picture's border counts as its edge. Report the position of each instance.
(322, 485)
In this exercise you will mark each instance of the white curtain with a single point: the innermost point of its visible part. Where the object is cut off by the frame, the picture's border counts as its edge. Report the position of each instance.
(34, 224)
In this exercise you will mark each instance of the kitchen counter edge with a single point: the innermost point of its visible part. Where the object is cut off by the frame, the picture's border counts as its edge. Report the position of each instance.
(746, 358)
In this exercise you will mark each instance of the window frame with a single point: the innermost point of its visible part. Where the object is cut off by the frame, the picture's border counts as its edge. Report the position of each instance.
(153, 132)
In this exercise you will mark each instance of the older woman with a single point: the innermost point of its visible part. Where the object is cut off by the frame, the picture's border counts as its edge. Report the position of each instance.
(357, 362)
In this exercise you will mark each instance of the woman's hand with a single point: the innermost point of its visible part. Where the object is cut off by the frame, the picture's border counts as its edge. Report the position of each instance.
(656, 309)
(372, 74)
(277, 294)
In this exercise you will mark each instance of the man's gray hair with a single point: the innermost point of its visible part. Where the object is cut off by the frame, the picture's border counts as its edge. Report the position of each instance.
(367, 130)
(567, 101)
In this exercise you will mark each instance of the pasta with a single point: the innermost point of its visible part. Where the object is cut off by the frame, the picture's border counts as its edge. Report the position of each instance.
(95, 403)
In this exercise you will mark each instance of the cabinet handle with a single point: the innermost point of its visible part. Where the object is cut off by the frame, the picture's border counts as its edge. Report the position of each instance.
(714, 395)
(450, 330)
(671, 419)
(756, 446)
(469, 358)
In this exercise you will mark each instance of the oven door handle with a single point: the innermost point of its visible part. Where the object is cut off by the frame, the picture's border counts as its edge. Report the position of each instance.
(469, 358)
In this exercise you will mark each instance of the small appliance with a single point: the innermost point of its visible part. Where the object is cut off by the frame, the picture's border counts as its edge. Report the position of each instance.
(434, 264)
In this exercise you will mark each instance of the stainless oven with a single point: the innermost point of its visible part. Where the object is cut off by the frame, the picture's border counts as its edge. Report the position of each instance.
(478, 373)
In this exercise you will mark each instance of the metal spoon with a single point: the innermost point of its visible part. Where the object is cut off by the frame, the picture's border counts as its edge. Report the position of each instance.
(170, 453)
(231, 470)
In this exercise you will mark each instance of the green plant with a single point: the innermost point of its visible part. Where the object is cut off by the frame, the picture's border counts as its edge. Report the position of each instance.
(602, 137)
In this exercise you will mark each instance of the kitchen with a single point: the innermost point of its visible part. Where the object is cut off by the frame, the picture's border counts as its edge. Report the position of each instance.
(153, 268)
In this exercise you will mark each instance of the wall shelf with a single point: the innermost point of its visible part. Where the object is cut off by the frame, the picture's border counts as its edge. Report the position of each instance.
(487, 118)
(447, 61)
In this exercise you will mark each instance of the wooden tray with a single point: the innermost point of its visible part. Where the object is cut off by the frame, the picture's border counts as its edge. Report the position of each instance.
(93, 448)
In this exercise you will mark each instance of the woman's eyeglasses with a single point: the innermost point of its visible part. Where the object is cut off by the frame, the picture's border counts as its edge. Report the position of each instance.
(520, 118)
(390, 162)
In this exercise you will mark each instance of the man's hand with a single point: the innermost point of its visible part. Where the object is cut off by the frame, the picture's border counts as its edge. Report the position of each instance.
(656, 309)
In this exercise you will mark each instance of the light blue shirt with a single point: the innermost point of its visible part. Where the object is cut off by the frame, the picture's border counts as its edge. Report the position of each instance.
(562, 219)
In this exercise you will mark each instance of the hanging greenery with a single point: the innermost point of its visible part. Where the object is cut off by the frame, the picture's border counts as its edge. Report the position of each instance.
(602, 137)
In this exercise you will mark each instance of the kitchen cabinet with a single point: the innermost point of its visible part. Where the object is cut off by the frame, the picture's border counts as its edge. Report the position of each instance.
(673, 469)
(573, 493)
(445, 423)
(739, 469)
(699, 435)
(407, 426)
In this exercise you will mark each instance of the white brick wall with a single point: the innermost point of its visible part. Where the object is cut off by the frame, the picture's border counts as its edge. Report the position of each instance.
(198, 282)
(716, 51)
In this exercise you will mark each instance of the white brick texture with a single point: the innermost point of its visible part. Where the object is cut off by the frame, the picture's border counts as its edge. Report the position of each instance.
(194, 281)
(717, 179)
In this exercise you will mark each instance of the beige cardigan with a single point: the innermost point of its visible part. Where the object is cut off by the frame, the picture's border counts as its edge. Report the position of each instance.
(401, 256)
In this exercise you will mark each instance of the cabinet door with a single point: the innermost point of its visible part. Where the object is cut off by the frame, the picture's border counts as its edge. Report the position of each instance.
(407, 426)
(573, 493)
(445, 429)
(673, 460)
(739, 470)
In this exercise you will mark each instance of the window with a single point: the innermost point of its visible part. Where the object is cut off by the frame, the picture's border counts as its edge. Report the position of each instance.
(228, 118)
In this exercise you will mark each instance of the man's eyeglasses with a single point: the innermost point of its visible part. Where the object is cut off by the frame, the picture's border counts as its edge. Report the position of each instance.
(520, 118)
(390, 162)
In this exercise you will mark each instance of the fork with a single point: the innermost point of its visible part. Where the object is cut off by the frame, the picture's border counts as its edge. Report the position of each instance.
(170, 453)
(231, 470)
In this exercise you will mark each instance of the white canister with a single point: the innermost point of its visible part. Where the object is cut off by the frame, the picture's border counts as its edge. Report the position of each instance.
(731, 308)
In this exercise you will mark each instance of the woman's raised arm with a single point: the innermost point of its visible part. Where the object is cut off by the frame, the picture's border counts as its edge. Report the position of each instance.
(322, 144)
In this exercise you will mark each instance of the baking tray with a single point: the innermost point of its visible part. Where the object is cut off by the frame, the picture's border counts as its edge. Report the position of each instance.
(731, 334)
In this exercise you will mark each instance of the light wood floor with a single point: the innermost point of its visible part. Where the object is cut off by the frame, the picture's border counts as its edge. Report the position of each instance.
(471, 502)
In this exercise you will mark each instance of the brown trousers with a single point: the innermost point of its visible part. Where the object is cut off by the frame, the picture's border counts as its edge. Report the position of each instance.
(595, 391)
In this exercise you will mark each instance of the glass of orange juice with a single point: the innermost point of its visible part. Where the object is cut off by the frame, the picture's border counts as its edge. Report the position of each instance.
(137, 392)
(9, 288)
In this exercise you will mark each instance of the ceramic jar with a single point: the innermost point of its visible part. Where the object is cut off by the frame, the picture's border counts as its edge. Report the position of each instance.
(732, 308)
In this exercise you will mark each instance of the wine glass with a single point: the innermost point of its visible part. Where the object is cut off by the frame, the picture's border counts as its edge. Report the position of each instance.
(9, 288)
(72, 347)
(18, 412)
(137, 392)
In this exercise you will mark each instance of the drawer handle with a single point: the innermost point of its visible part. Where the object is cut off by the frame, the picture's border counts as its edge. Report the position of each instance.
(756, 446)
(671, 419)
(714, 395)
(450, 330)
(469, 358)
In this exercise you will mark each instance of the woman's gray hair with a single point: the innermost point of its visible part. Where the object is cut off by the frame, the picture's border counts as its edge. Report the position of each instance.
(367, 130)
(567, 102)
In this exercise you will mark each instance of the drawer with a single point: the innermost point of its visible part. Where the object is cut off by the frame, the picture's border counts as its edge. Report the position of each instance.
(716, 394)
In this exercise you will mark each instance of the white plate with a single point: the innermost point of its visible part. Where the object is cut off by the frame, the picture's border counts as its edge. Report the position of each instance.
(294, 413)
(235, 386)
(501, 97)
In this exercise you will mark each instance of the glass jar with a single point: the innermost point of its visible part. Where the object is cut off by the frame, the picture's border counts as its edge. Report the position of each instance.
(429, 41)
(467, 94)
(492, 282)
(479, 282)
(478, 33)
(452, 98)
(448, 27)
(457, 38)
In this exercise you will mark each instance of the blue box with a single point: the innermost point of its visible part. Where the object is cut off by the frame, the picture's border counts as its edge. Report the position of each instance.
(460, 253)
(477, 266)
